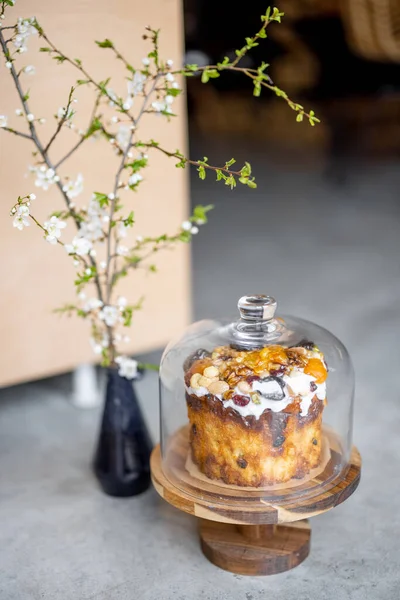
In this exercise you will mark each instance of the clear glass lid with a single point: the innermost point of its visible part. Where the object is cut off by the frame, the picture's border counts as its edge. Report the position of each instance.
(260, 407)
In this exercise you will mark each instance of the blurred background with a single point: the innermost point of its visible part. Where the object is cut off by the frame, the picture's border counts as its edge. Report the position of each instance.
(320, 233)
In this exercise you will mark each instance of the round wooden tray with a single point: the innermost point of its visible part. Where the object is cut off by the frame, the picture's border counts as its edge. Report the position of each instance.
(213, 500)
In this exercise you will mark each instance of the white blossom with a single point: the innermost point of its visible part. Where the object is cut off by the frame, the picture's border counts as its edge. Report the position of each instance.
(44, 177)
(169, 77)
(32, 197)
(110, 315)
(30, 117)
(186, 226)
(24, 30)
(92, 304)
(135, 85)
(169, 99)
(127, 367)
(139, 239)
(175, 85)
(9, 64)
(3, 121)
(122, 301)
(122, 230)
(123, 136)
(122, 250)
(74, 188)
(103, 264)
(79, 245)
(170, 63)
(134, 179)
(21, 219)
(112, 96)
(146, 61)
(62, 113)
(96, 347)
(160, 106)
(114, 119)
(53, 228)
(30, 70)
(194, 230)
(18, 112)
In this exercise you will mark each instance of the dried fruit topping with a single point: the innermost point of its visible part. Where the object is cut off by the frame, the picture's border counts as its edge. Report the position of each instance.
(306, 344)
(316, 369)
(277, 370)
(255, 398)
(242, 463)
(252, 378)
(313, 386)
(240, 400)
(198, 355)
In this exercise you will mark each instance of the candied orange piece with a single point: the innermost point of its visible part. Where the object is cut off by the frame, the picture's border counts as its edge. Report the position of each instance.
(316, 368)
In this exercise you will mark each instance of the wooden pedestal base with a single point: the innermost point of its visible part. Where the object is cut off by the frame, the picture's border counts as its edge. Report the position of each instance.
(255, 549)
(242, 532)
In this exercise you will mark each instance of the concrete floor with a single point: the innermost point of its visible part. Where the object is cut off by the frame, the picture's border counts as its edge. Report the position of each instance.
(327, 252)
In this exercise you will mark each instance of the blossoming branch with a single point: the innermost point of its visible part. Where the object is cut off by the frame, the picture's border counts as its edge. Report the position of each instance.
(98, 248)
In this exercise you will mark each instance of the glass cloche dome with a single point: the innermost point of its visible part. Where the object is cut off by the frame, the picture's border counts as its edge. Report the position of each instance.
(256, 409)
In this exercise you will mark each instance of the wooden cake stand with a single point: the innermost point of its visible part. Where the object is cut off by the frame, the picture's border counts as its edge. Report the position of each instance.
(253, 532)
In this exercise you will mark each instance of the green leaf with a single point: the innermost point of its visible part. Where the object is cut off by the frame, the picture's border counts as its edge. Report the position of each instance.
(299, 118)
(204, 77)
(45, 49)
(199, 215)
(59, 58)
(129, 221)
(95, 125)
(105, 43)
(78, 62)
(185, 236)
(251, 184)
(202, 172)
(102, 199)
(230, 163)
(257, 89)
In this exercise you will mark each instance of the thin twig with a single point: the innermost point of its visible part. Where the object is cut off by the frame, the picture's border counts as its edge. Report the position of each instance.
(84, 137)
(20, 133)
(61, 121)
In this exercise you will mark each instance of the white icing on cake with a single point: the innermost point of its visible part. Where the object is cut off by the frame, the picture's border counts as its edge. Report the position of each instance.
(297, 381)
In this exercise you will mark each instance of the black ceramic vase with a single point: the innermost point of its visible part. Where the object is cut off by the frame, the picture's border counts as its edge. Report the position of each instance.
(122, 458)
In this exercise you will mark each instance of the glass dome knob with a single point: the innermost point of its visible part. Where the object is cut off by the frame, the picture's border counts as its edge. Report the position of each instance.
(257, 307)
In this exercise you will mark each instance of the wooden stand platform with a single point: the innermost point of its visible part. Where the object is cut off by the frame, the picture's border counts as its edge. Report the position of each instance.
(250, 532)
